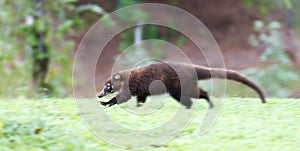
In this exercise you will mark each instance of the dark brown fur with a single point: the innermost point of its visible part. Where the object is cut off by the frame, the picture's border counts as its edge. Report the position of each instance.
(179, 80)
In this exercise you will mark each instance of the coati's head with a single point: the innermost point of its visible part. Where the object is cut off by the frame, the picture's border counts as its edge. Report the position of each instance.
(112, 85)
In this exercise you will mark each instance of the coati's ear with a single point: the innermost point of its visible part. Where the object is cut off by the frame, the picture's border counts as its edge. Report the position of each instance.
(117, 77)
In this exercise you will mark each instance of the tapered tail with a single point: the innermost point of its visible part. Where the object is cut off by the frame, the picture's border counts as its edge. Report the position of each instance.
(208, 73)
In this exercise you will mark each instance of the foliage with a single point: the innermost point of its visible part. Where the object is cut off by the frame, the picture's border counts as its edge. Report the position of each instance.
(265, 6)
(58, 23)
(122, 3)
(278, 73)
(13, 67)
(244, 124)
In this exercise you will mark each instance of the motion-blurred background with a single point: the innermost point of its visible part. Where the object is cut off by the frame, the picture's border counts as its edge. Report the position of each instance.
(39, 38)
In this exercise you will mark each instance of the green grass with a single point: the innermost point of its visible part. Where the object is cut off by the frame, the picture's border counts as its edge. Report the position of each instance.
(244, 124)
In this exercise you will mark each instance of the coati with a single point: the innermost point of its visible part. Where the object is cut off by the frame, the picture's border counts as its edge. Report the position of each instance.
(136, 82)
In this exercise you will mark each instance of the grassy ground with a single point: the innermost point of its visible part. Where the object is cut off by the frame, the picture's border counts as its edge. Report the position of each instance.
(244, 124)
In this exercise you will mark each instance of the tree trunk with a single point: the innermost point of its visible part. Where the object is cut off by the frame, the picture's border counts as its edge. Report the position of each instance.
(40, 53)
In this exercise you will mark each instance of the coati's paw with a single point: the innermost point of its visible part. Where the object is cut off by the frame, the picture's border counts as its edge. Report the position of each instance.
(211, 104)
(104, 103)
(138, 105)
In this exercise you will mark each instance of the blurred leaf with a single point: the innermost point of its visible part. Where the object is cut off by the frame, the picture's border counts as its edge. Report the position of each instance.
(1, 128)
(274, 25)
(248, 2)
(150, 32)
(40, 25)
(258, 25)
(78, 22)
(288, 4)
(66, 26)
(180, 41)
(68, 1)
(136, 15)
(91, 7)
(253, 40)
(263, 10)
(126, 3)
(31, 40)
(108, 22)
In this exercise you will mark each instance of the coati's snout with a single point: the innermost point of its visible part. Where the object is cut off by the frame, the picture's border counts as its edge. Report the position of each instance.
(111, 86)
(108, 88)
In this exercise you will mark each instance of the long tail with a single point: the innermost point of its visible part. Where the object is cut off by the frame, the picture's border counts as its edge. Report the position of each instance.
(208, 73)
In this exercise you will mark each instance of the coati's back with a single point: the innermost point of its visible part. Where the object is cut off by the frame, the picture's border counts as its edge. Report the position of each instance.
(140, 79)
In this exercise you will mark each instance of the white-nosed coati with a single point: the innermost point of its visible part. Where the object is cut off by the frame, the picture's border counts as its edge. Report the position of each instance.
(136, 82)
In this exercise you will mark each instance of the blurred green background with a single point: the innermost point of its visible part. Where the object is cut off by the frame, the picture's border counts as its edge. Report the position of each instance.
(39, 39)
(38, 42)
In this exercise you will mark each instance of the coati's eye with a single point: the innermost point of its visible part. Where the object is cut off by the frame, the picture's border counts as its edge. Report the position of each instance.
(117, 77)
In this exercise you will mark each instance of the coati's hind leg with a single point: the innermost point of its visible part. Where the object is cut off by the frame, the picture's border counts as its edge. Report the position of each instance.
(184, 101)
(140, 99)
(203, 95)
(187, 102)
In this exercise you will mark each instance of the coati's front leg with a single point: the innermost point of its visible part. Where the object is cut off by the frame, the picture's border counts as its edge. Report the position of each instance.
(122, 97)
(140, 99)
(111, 102)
